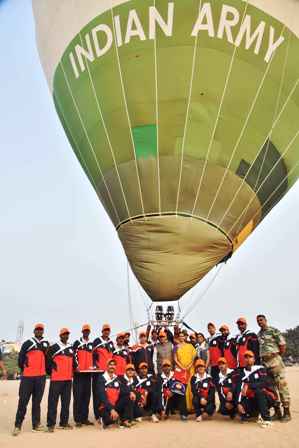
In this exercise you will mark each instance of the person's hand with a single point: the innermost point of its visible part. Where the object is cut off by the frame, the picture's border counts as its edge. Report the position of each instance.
(113, 415)
(244, 390)
(229, 396)
(241, 409)
(132, 396)
(203, 402)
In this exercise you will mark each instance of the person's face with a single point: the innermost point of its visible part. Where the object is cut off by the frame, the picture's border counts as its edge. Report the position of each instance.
(38, 333)
(181, 337)
(154, 336)
(86, 334)
(111, 368)
(120, 341)
(211, 330)
(200, 338)
(201, 370)
(262, 322)
(143, 371)
(127, 339)
(224, 332)
(106, 333)
(222, 368)
(193, 339)
(64, 337)
(130, 373)
(186, 337)
(166, 369)
(142, 339)
(162, 339)
(249, 360)
(242, 326)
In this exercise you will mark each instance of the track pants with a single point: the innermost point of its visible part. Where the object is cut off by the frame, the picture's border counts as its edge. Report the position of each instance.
(95, 394)
(34, 387)
(125, 409)
(258, 404)
(81, 394)
(62, 390)
(209, 408)
(177, 402)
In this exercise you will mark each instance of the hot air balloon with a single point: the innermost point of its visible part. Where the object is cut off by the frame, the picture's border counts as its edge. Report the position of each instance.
(183, 115)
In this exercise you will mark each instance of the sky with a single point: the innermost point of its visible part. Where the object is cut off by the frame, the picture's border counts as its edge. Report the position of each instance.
(61, 262)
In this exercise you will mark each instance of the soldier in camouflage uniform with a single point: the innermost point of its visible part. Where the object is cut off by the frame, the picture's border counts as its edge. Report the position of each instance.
(272, 346)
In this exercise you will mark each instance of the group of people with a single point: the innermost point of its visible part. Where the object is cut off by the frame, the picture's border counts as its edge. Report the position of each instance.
(164, 373)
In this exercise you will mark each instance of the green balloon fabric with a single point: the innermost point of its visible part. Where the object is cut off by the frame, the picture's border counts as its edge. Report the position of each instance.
(183, 115)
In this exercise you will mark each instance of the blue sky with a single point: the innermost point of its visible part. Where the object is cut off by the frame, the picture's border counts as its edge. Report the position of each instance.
(60, 258)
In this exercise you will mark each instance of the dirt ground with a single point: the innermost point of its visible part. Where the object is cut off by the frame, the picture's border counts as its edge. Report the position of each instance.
(218, 432)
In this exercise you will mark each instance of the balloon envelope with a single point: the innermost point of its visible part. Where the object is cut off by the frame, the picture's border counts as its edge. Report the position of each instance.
(184, 116)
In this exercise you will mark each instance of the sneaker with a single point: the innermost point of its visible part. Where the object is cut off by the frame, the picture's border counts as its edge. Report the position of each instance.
(124, 425)
(155, 419)
(138, 419)
(199, 418)
(286, 415)
(67, 426)
(16, 431)
(38, 428)
(49, 429)
(265, 424)
(78, 425)
(184, 418)
(87, 423)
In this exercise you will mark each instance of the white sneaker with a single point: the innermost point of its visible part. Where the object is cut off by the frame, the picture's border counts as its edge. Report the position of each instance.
(138, 419)
(199, 418)
(155, 419)
(265, 424)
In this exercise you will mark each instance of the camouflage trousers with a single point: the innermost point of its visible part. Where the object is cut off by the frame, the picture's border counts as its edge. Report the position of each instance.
(276, 369)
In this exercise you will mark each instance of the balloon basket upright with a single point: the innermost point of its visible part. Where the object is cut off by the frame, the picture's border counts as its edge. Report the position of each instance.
(165, 317)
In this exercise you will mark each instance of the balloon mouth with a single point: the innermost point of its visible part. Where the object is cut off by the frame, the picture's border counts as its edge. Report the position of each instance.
(169, 254)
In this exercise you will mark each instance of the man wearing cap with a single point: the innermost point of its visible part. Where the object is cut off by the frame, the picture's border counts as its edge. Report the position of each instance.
(146, 387)
(129, 382)
(103, 349)
(254, 393)
(272, 347)
(121, 355)
(163, 351)
(171, 393)
(246, 340)
(60, 365)
(228, 347)
(227, 385)
(143, 352)
(215, 351)
(82, 378)
(32, 363)
(203, 391)
(115, 406)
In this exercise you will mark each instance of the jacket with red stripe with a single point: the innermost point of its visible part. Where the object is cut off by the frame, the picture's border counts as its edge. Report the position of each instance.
(32, 357)
(83, 354)
(227, 383)
(166, 386)
(203, 387)
(145, 386)
(247, 340)
(102, 353)
(230, 352)
(143, 353)
(215, 349)
(110, 390)
(249, 381)
(121, 355)
(61, 362)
